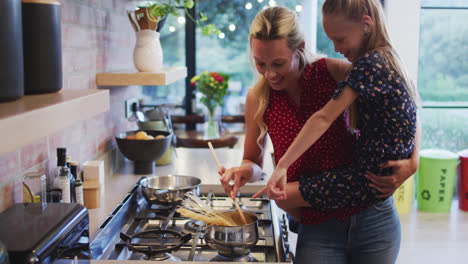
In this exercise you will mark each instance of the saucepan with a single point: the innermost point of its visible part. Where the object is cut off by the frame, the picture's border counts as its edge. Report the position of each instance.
(234, 241)
(170, 189)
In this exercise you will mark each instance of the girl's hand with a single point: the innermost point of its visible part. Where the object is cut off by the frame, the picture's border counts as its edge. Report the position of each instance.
(275, 186)
(387, 185)
(241, 176)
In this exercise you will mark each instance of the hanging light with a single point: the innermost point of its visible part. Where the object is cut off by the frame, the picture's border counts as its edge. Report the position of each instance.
(232, 27)
(248, 6)
(272, 3)
(221, 35)
(172, 28)
(298, 8)
(260, 1)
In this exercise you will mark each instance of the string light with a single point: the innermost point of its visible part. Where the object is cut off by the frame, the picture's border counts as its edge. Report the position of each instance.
(260, 1)
(232, 27)
(248, 6)
(272, 3)
(298, 8)
(221, 35)
(181, 20)
(171, 28)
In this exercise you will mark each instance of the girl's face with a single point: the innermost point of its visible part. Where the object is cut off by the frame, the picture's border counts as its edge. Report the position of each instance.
(276, 62)
(347, 36)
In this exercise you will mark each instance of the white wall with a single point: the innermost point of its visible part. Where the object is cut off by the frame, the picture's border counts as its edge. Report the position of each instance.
(403, 25)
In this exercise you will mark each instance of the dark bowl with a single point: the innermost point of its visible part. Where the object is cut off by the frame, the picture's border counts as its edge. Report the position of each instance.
(143, 152)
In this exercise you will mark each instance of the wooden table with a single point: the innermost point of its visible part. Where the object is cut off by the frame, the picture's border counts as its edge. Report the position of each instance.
(195, 139)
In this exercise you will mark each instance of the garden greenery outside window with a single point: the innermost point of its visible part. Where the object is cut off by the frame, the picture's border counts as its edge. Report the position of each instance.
(443, 74)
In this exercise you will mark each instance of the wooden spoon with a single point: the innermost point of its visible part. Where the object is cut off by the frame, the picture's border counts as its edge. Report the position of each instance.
(241, 213)
(134, 25)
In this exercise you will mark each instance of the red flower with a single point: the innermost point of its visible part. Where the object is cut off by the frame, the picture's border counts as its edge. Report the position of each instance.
(217, 77)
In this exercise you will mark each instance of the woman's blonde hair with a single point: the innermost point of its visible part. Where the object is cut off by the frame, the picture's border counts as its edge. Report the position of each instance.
(377, 38)
(275, 23)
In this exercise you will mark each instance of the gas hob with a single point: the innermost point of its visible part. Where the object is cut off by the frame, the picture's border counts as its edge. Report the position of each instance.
(133, 232)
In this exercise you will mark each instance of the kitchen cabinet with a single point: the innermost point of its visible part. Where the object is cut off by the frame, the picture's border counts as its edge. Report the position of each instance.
(33, 117)
(167, 76)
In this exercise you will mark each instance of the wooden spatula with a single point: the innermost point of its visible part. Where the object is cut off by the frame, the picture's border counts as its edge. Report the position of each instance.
(239, 210)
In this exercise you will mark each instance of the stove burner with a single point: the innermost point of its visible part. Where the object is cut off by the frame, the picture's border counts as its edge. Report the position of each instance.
(195, 226)
(156, 244)
(161, 257)
(221, 258)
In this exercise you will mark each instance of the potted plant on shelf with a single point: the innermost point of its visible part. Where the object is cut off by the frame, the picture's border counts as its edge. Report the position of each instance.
(213, 87)
(147, 22)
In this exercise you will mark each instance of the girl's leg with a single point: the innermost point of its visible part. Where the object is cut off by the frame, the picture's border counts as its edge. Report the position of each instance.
(375, 235)
(323, 243)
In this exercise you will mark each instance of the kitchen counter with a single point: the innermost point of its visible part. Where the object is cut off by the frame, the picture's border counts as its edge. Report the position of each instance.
(190, 162)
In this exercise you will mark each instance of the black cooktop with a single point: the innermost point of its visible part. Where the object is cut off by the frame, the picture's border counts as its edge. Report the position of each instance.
(34, 228)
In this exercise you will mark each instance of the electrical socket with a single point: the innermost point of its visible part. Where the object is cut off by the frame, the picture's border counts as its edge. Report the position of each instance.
(128, 106)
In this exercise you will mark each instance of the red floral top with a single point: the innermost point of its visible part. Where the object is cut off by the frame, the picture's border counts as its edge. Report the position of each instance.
(334, 148)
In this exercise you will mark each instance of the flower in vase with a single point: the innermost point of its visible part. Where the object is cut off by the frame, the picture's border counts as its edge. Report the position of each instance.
(213, 87)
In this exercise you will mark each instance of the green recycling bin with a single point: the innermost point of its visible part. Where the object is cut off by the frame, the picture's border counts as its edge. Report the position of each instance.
(436, 180)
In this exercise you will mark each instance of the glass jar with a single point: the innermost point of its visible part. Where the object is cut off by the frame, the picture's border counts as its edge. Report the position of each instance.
(34, 188)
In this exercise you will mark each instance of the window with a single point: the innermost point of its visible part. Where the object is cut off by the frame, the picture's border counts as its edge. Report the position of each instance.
(443, 74)
(172, 37)
(229, 52)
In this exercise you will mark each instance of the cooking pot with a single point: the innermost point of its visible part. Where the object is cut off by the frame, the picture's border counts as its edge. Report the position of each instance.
(170, 189)
(234, 241)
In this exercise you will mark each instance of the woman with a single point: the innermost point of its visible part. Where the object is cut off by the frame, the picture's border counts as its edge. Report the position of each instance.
(292, 86)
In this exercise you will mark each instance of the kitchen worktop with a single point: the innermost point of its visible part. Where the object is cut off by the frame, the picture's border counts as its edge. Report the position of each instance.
(190, 162)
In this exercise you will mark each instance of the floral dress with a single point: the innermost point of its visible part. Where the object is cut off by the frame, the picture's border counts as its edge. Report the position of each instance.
(387, 126)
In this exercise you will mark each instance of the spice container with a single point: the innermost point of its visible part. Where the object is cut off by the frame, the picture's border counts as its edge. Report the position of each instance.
(34, 188)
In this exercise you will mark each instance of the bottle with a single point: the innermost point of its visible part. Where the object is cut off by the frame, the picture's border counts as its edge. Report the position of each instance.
(78, 183)
(72, 181)
(62, 179)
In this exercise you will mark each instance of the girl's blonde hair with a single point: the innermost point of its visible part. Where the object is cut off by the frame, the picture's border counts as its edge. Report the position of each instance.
(275, 23)
(377, 38)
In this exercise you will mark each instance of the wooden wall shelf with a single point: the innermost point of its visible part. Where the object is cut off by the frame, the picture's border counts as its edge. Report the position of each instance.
(167, 76)
(33, 117)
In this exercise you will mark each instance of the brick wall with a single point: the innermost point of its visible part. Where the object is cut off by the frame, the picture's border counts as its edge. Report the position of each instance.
(96, 37)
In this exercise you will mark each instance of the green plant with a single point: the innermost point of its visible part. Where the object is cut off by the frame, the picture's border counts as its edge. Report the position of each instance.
(165, 7)
(213, 87)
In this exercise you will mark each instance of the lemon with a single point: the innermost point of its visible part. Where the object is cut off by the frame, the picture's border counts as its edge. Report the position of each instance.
(149, 137)
(159, 137)
(140, 135)
(27, 195)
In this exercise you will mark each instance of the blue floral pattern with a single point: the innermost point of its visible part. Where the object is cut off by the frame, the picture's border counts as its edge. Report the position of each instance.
(387, 126)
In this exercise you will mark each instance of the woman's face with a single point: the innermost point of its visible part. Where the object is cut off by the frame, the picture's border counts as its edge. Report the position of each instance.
(347, 36)
(276, 62)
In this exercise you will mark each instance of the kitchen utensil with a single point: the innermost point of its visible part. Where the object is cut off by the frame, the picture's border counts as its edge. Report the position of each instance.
(241, 213)
(170, 189)
(233, 241)
(142, 19)
(134, 25)
(143, 152)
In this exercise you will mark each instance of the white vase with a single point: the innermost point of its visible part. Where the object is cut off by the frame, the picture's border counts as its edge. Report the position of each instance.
(148, 56)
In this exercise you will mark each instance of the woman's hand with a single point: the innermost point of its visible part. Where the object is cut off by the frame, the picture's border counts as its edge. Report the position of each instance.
(241, 175)
(402, 170)
(275, 186)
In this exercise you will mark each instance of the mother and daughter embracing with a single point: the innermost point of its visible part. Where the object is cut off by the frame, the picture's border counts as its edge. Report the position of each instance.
(345, 135)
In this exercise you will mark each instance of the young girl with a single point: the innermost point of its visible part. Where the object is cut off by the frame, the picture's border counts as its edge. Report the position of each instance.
(385, 111)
